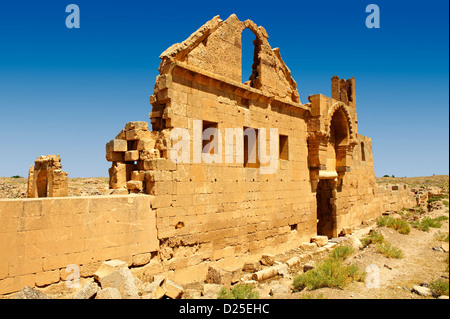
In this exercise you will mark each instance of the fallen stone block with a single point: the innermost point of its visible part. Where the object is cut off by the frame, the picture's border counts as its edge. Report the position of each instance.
(267, 260)
(123, 280)
(320, 240)
(88, 291)
(293, 261)
(354, 242)
(30, 293)
(308, 246)
(191, 294)
(282, 269)
(265, 273)
(108, 267)
(308, 266)
(422, 291)
(108, 293)
(251, 266)
(172, 289)
(219, 276)
(279, 289)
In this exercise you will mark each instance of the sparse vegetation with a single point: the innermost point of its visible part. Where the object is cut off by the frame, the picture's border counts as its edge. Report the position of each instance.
(373, 237)
(399, 225)
(389, 251)
(434, 199)
(426, 223)
(341, 253)
(440, 236)
(439, 288)
(329, 273)
(238, 292)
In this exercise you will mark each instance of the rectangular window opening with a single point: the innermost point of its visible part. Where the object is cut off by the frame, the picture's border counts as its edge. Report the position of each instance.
(251, 158)
(284, 148)
(210, 145)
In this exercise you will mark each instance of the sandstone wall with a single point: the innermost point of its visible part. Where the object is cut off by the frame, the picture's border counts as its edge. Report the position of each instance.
(227, 207)
(39, 238)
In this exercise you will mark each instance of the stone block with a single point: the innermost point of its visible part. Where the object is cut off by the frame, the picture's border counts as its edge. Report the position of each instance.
(30, 293)
(116, 146)
(135, 185)
(136, 134)
(109, 267)
(146, 145)
(88, 291)
(320, 240)
(123, 280)
(108, 293)
(172, 289)
(131, 156)
(267, 260)
(137, 125)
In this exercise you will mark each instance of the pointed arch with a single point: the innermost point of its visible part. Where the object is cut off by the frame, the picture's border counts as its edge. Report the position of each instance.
(340, 116)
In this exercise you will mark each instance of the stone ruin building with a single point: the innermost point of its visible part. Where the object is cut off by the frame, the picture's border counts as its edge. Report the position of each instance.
(46, 178)
(325, 169)
(178, 218)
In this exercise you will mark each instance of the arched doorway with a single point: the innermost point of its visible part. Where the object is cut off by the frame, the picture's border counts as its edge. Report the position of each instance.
(326, 192)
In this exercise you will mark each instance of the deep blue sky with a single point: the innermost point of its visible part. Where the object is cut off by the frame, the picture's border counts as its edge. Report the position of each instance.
(69, 91)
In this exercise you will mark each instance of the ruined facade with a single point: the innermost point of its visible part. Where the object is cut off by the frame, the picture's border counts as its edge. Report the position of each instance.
(324, 181)
(46, 178)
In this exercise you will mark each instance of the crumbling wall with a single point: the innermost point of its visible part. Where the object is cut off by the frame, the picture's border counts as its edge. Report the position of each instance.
(47, 179)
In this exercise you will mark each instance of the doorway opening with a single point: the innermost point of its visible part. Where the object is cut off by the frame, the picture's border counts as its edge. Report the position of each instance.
(325, 209)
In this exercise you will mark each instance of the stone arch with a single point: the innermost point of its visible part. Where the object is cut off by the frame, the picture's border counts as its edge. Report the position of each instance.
(254, 80)
(343, 121)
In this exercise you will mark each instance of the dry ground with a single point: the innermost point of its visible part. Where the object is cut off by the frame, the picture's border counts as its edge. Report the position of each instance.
(420, 264)
(17, 187)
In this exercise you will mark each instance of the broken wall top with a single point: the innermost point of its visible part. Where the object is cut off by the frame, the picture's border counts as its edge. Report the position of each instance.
(216, 48)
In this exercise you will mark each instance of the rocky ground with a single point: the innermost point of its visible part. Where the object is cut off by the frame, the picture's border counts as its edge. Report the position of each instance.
(11, 187)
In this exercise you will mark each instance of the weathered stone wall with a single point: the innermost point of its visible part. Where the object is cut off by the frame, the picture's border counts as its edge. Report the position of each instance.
(39, 238)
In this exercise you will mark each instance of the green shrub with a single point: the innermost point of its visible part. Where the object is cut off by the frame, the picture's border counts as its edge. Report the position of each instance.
(445, 202)
(398, 224)
(389, 251)
(426, 223)
(238, 292)
(373, 237)
(16, 176)
(341, 252)
(434, 199)
(439, 288)
(328, 273)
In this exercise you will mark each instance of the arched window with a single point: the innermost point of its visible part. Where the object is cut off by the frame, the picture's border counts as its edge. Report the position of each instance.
(247, 55)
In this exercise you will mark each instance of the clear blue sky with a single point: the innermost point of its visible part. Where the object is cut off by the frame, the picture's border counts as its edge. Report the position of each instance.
(69, 91)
